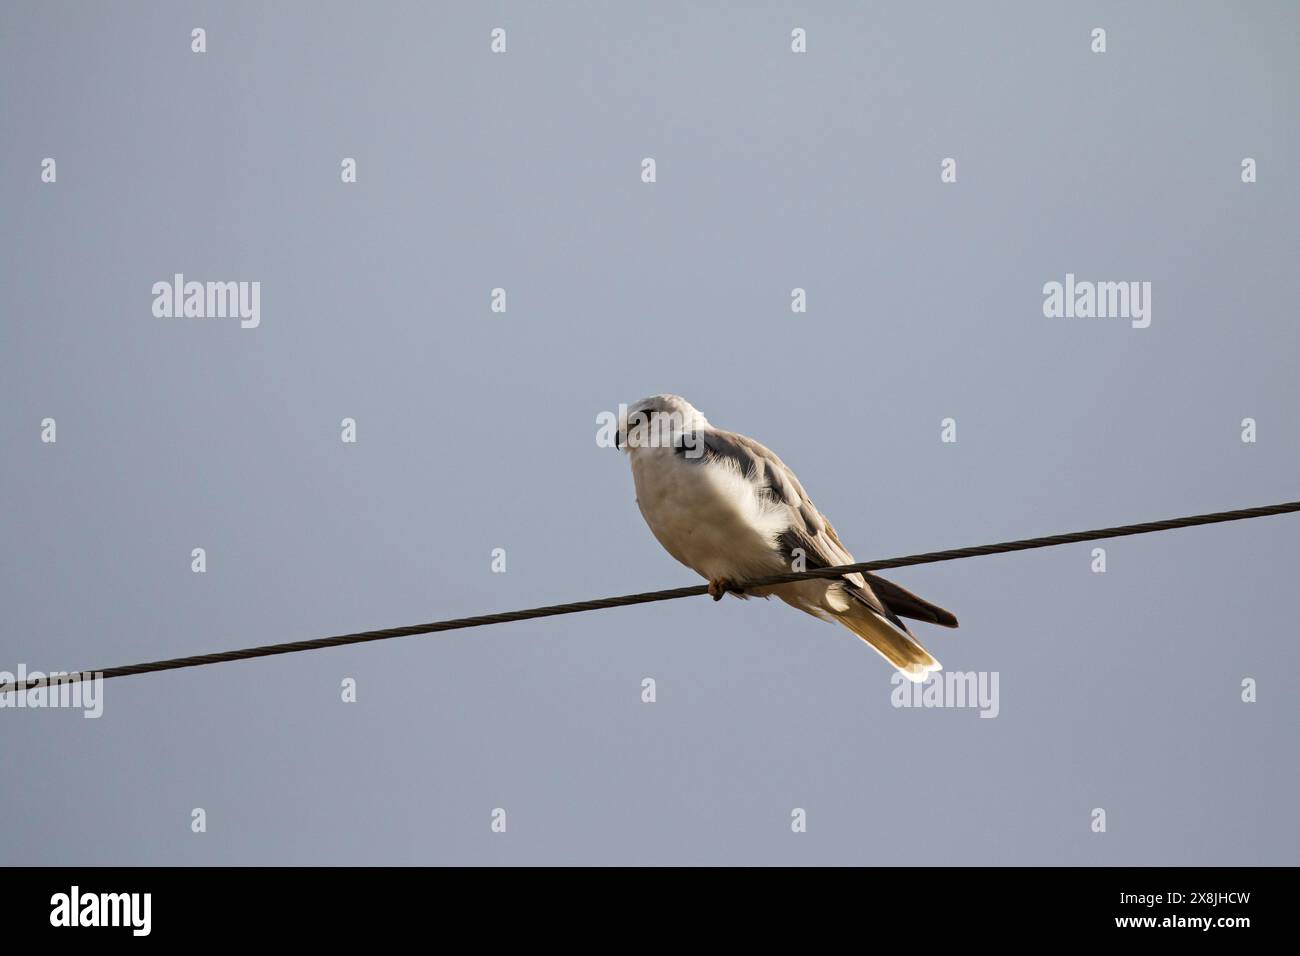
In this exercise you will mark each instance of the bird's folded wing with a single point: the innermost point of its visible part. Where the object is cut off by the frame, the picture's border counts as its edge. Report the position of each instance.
(809, 532)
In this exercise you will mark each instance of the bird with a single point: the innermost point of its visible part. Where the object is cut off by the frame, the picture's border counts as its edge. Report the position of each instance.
(729, 509)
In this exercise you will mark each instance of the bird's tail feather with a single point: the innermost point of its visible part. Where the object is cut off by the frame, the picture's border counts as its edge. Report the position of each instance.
(892, 643)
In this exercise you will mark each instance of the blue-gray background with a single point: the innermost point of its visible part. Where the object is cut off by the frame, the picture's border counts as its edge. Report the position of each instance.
(476, 430)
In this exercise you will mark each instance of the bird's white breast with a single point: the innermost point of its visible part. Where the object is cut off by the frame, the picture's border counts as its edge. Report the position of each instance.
(707, 515)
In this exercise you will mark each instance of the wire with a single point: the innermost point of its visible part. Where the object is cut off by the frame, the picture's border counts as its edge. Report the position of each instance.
(648, 597)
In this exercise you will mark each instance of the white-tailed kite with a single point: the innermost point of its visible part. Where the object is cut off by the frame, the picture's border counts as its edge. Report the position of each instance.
(729, 509)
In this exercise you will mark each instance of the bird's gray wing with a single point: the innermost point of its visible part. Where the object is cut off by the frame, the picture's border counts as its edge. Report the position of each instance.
(810, 531)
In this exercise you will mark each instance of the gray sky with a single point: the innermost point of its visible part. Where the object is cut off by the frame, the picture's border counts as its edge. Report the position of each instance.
(476, 430)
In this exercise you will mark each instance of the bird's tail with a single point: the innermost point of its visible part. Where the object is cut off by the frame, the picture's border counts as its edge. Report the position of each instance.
(894, 644)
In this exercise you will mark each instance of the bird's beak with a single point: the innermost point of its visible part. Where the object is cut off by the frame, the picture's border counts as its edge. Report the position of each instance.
(618, 439)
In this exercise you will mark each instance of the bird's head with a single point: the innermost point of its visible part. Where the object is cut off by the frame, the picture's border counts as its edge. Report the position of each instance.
(658, 421)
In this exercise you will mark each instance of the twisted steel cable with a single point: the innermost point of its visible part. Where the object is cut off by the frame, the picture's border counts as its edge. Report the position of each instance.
(648, 597)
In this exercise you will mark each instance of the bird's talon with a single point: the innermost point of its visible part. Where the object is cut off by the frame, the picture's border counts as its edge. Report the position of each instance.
(720, 586)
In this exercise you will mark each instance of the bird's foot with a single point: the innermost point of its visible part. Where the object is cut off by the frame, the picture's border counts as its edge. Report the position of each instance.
(720, 586)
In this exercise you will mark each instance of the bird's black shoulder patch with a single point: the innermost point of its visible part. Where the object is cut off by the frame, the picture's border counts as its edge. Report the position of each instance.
(713, 446)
